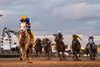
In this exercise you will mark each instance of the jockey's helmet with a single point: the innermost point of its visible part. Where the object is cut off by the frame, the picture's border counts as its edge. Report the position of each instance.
(74, 35)
(59, 31)
(23, 17)
(91, 37)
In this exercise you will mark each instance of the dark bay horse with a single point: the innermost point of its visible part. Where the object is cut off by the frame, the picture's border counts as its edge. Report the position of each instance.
(76, 47)
(46, 43)
(38, 46)
(60, 47)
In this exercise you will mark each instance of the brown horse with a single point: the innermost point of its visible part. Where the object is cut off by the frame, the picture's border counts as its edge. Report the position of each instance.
(38, 46)
(76, 47)
(47, 47)
(25, 43)
(60, 47)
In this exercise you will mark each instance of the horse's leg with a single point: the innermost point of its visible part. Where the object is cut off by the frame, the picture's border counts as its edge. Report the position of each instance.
(20, 53)
(79, 53)
(26, 48)
(27, 53)
(73, 54)
(30, 53)
(94, 54)
(87, 55)
(90, 56)
(59, 56)
(23, 53)
(36, 53)
(40, 52)
(48, 54)
(63, 55)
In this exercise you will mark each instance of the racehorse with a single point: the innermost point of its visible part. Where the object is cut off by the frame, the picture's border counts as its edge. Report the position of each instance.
(91, 50)
(60, 47)
(25, 43)
(38, 47)
(46, 43)
(76, 47)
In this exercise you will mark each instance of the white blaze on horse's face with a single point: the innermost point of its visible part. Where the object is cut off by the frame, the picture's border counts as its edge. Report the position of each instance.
(91, 40)
(23, 27)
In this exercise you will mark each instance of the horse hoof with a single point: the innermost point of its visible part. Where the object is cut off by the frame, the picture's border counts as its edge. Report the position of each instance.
(64, 59)
(60, 59)
(94, 59)
(29, 61)
(48, 59)
(21, 59)
(75, 60)
(79, 59)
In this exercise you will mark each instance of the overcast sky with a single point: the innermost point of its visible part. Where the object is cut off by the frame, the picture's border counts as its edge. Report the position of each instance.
(49, 16)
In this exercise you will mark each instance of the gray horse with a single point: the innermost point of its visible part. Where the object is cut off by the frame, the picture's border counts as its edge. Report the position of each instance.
(25, 43)
(91, 49)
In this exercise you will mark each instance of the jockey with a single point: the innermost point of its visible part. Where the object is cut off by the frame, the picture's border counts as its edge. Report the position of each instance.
(27, 21)
(38, 40)
(91, 40)
(76, 37)
(60, 35)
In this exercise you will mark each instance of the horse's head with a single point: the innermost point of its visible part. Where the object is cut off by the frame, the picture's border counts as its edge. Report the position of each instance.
(56, 37)
(23, 27)
(38, 40)
(91, 40)
(46, 41)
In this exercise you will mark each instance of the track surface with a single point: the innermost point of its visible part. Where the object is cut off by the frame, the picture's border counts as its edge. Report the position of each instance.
(42, 62)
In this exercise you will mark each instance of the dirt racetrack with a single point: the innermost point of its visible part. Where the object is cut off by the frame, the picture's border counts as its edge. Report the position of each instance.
(42, 62)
